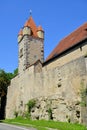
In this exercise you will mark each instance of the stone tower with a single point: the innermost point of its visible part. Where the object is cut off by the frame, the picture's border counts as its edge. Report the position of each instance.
(31, 44)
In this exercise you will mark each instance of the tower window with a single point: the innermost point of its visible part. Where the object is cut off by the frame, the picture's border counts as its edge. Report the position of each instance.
(80, 48)
(35, 56)
(21, 52)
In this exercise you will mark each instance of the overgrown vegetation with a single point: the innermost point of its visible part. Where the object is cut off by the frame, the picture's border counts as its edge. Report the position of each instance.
(50, 114)
(16, 114)
(45, 125)
(68, 118)
(31, 103)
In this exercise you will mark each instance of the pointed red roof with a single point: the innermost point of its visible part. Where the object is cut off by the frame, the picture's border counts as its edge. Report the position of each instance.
(21, 32)
(39, 28)
(69, 41)
(30, 23)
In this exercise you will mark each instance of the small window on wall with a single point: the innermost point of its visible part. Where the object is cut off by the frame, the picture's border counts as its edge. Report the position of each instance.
(35, 56)
(21, 103)
(80, 48)
(21, 52)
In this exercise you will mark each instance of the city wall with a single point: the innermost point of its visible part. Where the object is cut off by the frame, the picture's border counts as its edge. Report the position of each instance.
(58, 88)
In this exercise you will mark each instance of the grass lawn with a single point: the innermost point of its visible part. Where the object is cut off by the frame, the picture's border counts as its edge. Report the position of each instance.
(45, 125)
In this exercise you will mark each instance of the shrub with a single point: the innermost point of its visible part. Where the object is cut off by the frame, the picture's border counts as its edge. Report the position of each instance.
(16, 114)
(31, 104)
(50, 114)
(26, 115)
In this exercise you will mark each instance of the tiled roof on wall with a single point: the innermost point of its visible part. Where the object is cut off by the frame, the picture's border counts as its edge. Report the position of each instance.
(69, 41)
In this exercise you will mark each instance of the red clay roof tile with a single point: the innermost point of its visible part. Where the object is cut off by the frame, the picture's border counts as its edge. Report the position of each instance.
(30, 23)
(39, 28)
(69, 41)
(21, 32)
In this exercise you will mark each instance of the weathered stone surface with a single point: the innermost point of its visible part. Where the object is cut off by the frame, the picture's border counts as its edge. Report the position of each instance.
(61, 110)
(43, 86)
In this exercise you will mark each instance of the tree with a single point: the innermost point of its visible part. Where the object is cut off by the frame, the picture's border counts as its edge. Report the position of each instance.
(5, 79)
(15, 72)
(4, 82)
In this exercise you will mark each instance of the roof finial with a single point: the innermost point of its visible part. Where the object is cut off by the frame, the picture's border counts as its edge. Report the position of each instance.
(30, 12)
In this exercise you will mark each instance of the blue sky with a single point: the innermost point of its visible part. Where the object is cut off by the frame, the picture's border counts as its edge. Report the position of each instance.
(57, 17)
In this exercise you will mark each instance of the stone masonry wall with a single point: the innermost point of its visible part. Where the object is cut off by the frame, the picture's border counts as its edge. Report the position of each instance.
(60, 86)
(32, 50)
(61, 109)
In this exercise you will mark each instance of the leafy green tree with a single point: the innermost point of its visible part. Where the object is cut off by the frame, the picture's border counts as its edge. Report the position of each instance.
(15, 72)
(9, 75)
(5, 79)
(4, 82)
